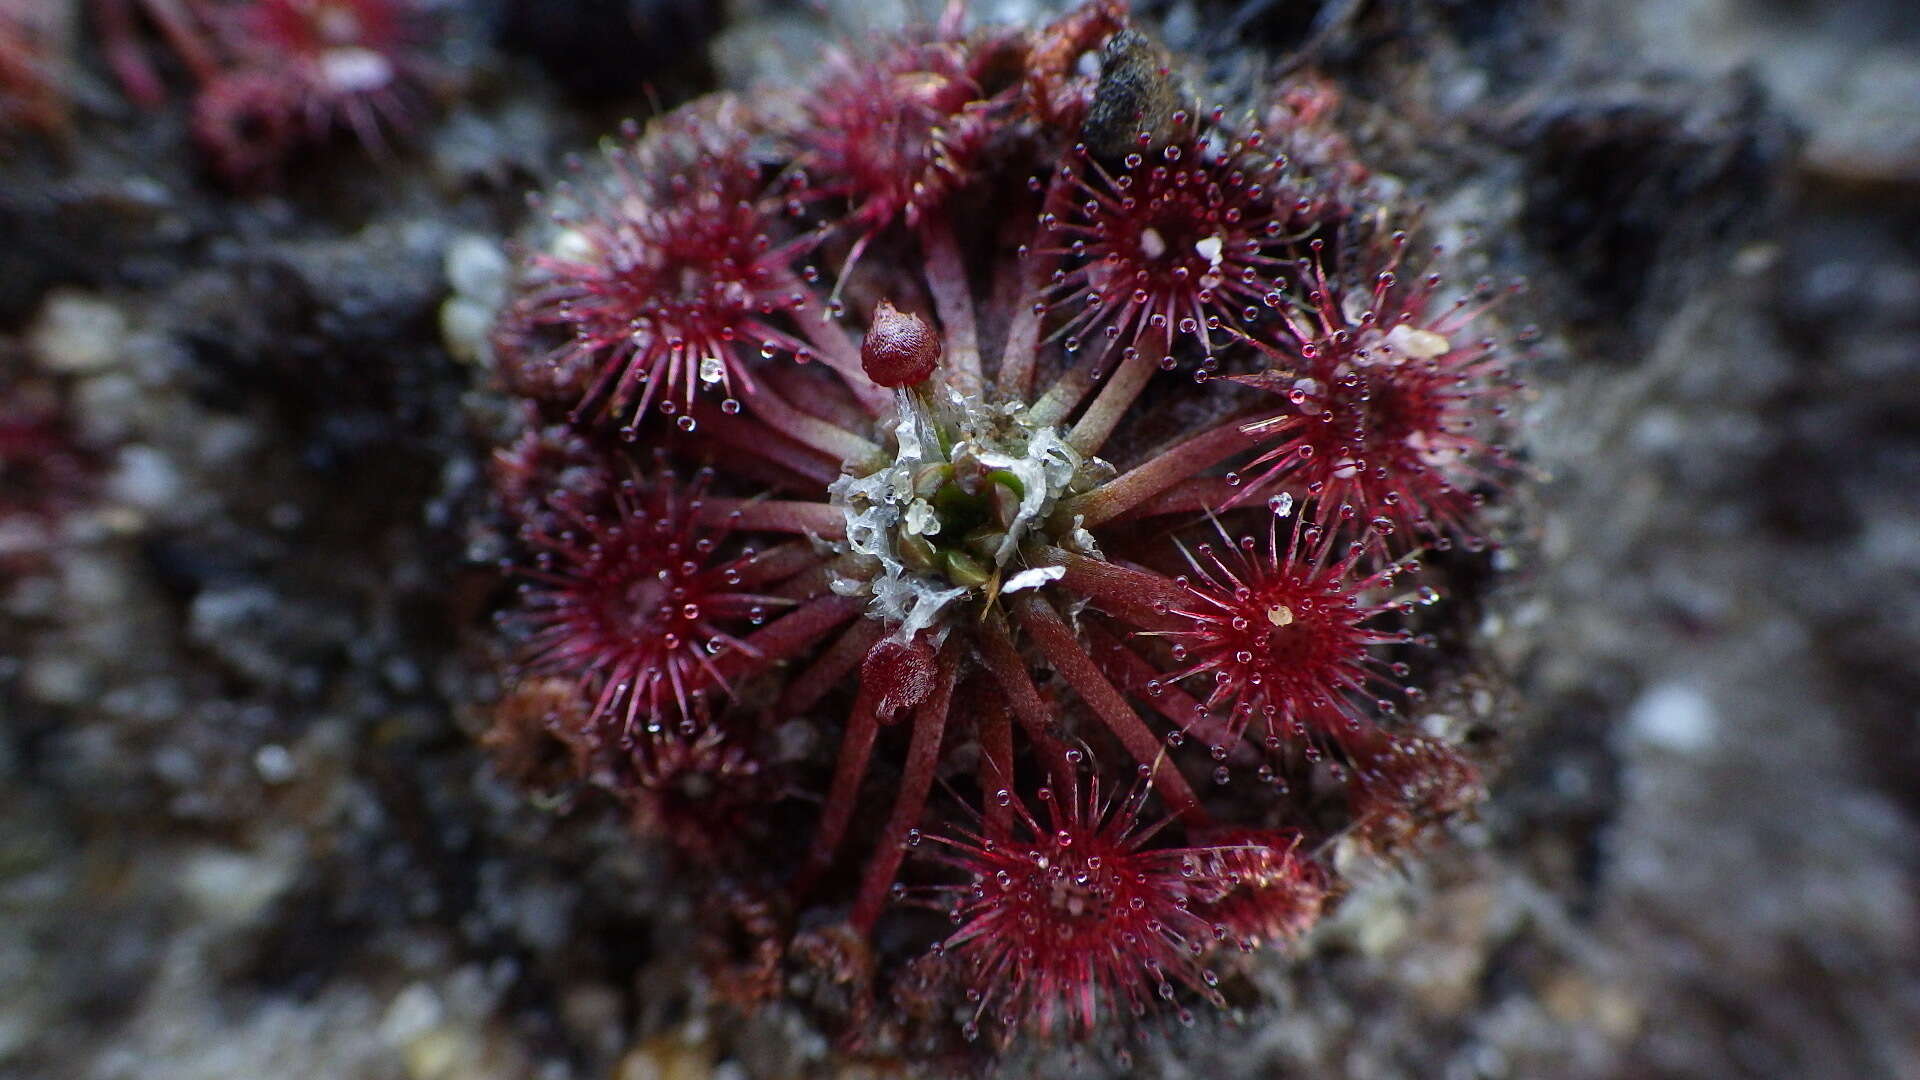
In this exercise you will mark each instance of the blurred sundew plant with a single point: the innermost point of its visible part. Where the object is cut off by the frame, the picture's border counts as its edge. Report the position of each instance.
(264, 80)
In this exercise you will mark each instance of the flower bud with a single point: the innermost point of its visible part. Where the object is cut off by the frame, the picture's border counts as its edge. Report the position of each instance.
(900, 348)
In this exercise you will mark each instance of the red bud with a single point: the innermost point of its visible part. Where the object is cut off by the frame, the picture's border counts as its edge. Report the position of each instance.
(900, 348)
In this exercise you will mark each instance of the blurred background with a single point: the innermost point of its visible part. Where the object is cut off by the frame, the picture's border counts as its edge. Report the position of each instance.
(245, 828)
